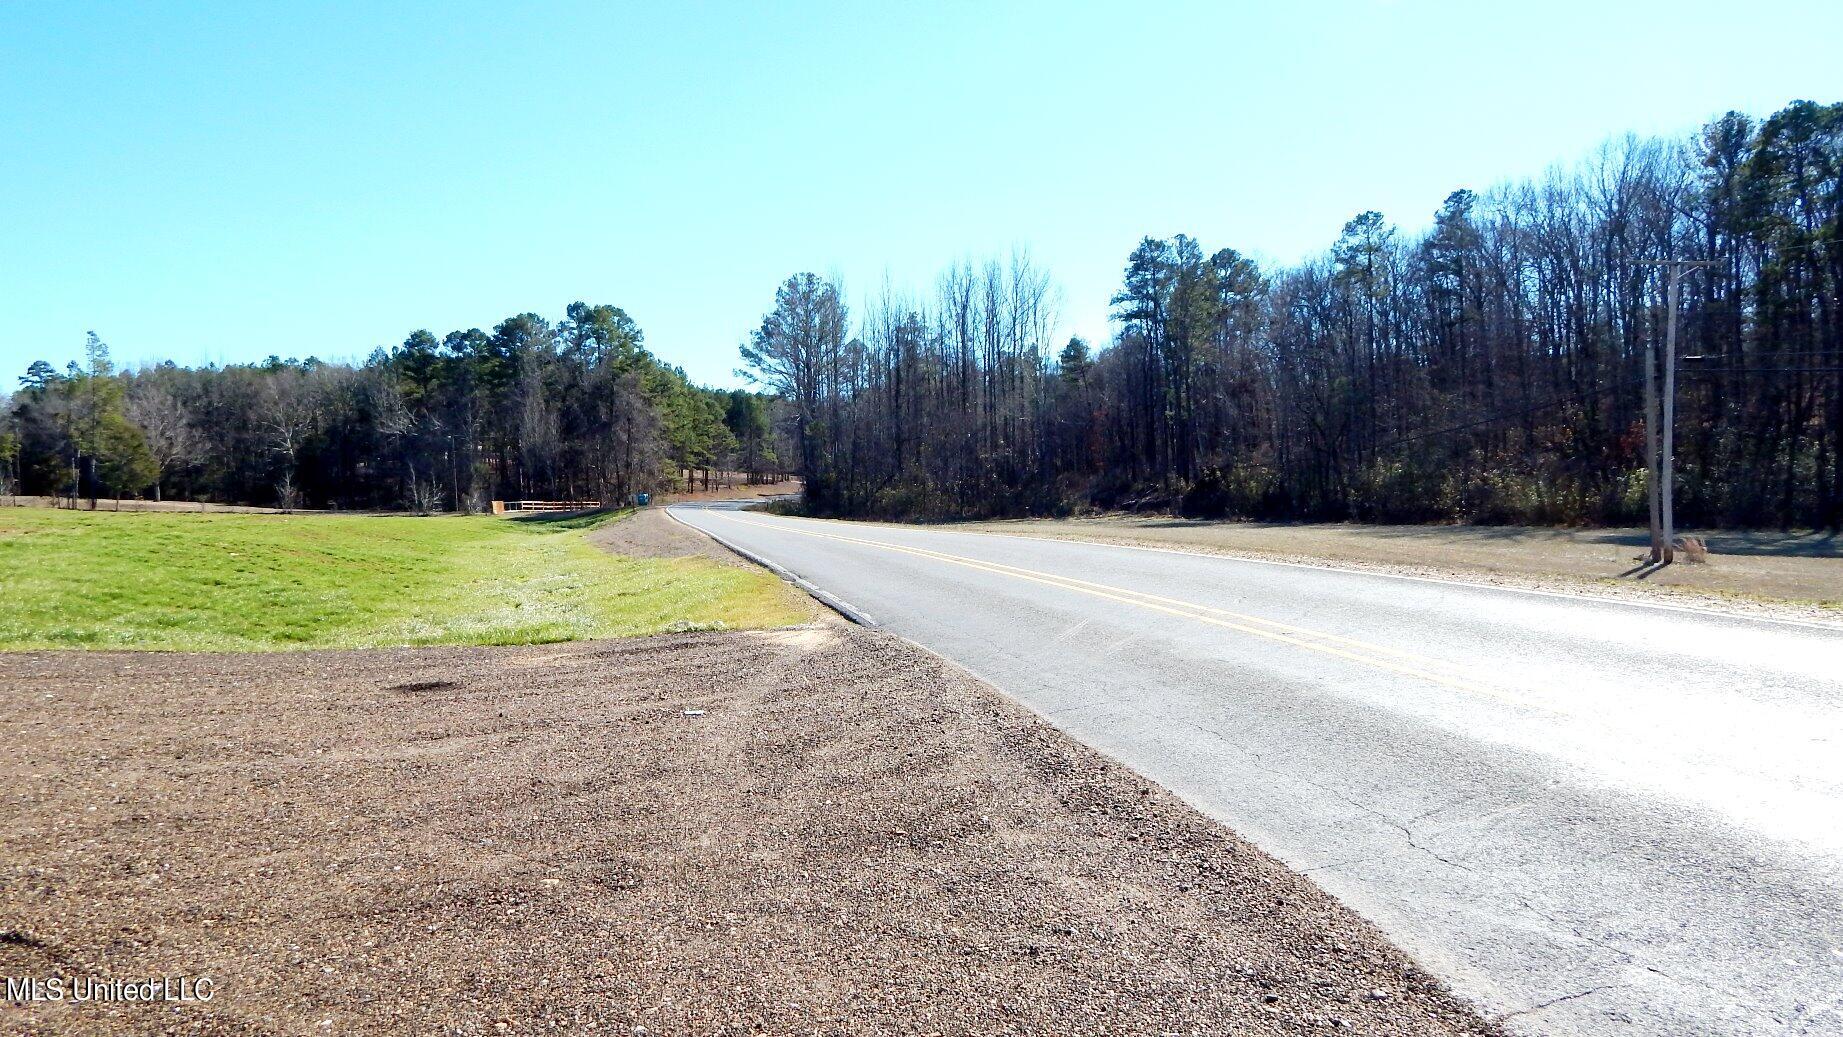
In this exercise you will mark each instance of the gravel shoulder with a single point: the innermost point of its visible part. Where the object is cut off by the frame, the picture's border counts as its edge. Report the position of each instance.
(816, 830)
(1784, 575)
(652, 534)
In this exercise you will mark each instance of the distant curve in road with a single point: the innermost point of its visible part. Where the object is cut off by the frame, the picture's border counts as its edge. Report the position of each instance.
(1588, 816)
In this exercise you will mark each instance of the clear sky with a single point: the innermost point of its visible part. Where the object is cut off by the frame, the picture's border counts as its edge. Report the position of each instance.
(219, 182)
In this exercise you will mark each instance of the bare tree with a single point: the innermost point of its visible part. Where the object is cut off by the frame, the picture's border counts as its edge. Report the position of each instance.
(160, 413)
(290, 420)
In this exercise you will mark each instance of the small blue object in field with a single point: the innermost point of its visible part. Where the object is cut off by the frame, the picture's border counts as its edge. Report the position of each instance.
(643, 499)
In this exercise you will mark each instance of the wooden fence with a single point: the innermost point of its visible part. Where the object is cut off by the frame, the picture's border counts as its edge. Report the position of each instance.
(500, 507)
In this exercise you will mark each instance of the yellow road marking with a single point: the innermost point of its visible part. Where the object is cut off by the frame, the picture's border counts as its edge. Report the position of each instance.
(1285, 633)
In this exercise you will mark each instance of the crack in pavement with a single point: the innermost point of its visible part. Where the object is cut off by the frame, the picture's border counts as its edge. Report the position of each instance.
(1560, 925)
(1335, 865)
(1261, 760)
(1551, 1002)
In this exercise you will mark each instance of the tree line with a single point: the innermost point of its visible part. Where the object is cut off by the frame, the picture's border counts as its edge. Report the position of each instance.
(1489, 369)
(575, 410)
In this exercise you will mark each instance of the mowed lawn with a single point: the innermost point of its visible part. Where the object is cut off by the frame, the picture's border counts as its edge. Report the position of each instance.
(219, 582)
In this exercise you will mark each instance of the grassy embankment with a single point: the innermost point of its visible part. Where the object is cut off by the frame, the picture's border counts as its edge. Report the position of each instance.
(212, 582)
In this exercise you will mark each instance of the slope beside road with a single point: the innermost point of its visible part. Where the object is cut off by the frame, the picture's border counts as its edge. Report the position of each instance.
(1590, 816)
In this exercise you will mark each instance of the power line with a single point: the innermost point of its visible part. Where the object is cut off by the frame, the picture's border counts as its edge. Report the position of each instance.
(1779, 249)
(1804, 247)
(1758, 353)
(1556, 401)
(1762, 370)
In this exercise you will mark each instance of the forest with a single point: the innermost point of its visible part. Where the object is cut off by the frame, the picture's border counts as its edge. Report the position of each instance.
(1487, 370)
(576, 410)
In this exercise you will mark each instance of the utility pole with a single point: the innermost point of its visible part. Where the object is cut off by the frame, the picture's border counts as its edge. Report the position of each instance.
(1663, 461)
(1651, 465)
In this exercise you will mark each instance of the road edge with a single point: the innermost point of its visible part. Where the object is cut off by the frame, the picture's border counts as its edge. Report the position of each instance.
(824, 597)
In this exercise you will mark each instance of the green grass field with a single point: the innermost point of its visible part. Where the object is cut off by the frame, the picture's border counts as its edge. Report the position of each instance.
(217, 582)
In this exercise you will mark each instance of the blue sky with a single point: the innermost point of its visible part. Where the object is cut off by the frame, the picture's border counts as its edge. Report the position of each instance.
(219, 182)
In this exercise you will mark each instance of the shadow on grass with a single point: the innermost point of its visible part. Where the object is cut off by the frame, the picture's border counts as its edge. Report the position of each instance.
(1738, 544)
(1734, 543)
(1394, 532)
(561, 521)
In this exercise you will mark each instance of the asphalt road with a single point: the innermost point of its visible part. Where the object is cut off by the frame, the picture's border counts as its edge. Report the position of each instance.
(1588, 816)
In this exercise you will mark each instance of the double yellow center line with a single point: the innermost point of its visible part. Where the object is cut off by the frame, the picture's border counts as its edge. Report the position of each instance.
(1381, 657)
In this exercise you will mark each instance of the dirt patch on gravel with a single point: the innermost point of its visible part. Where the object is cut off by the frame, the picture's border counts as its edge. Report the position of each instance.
(820, 830)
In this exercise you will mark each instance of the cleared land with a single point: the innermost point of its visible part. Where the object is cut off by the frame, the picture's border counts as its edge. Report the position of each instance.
(223, 582)
(1796, 573)
(852, 837)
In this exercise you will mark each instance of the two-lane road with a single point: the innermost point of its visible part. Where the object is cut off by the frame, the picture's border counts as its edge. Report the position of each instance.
(1588, 816)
